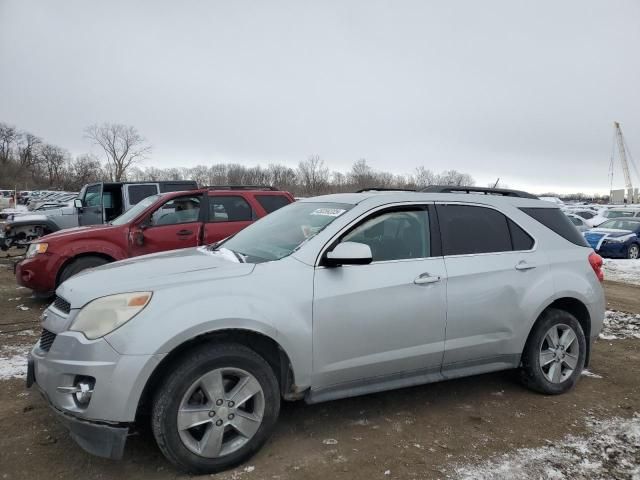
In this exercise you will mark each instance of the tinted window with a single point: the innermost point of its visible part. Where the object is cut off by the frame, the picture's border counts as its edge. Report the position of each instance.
(555, 220)
(520, 240)
(394, 235)
(229, 208)
(576, 221)
(467, 229)
(271, 203)
(177, 187)
(586, 215)
(177, 210)
(92, 196)
(140, 192)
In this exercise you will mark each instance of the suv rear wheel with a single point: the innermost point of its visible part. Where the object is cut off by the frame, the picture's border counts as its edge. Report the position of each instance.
(555, 352)
(216, 408)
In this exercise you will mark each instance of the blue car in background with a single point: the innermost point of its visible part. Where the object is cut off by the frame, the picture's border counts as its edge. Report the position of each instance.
(616, 238)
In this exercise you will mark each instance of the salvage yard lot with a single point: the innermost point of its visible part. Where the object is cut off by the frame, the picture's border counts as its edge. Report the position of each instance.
(467, 428)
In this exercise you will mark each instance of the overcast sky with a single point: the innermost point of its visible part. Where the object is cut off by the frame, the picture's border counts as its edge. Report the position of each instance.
(522, 90)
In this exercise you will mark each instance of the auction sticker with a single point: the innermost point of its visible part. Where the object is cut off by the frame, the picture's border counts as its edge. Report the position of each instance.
(328, 212)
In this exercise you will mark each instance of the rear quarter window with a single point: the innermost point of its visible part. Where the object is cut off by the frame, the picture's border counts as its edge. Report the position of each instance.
(555, 220)
(271, 203)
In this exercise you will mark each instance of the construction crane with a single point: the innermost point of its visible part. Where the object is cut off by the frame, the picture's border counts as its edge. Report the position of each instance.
(625, 159)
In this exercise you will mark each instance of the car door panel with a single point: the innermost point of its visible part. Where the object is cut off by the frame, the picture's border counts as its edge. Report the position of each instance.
(385, 320)
(374, 321)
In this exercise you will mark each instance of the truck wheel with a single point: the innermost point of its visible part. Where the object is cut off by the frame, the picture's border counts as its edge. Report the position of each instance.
(78, 265)
(216, 408)
(554, 355)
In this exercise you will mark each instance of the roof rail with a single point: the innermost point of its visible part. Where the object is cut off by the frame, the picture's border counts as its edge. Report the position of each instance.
(384, 189)
(241, 187)
(486, 191)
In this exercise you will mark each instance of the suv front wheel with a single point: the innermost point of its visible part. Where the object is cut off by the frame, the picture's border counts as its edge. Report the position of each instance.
(555, 353)
(216, 408)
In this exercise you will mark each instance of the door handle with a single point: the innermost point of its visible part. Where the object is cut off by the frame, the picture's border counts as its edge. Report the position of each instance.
(184, 232)
(524, 266)
(425, 278)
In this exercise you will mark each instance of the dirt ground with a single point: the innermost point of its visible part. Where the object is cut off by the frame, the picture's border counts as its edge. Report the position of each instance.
(414, 433)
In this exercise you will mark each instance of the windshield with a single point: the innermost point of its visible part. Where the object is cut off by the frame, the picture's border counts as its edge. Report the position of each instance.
(621, 224)
(618, 213)
(280, 233)
(134, 211)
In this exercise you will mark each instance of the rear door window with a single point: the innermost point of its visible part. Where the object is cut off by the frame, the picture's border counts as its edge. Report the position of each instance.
(140, 192)
(555, 220)
(468, 229)
(229, 208)
(271, 203)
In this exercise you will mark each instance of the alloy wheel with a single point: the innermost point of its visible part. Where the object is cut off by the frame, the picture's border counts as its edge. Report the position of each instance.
(634, 252)
(559, 353)
(220, 412)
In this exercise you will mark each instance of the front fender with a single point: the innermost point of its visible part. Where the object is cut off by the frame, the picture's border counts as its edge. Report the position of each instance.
(86, 247)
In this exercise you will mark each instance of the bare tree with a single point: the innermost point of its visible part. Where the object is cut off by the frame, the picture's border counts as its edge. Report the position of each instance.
(313, 175)
(8, 139)
(122, 145)
(423, 177)
(53, 159)
(455, 178)
(84, 169)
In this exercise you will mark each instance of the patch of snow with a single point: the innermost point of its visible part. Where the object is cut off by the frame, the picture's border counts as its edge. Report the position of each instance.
(22, 307)
(610, 450)
(589, 373)
(627, 271)
(619, 325)
(249, 469)
(13, 361)
(330, 441)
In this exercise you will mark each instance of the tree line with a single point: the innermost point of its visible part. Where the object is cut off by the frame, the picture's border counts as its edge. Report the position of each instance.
(29, 162)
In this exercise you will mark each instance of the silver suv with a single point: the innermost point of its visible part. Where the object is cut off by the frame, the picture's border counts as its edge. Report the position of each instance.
(327, 298)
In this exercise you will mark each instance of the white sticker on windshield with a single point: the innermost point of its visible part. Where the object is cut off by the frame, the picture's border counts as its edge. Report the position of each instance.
(328, 212)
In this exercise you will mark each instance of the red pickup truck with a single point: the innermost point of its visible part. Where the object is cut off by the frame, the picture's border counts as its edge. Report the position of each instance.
(161, 222)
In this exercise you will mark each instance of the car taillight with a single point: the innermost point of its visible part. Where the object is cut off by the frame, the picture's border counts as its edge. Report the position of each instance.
(595, 261)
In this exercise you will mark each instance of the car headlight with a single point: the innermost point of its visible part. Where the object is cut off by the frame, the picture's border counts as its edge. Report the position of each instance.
(36, 248)
(103, 315)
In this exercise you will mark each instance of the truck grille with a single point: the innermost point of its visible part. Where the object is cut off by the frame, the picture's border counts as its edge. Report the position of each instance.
(46, 339)
(62, 305)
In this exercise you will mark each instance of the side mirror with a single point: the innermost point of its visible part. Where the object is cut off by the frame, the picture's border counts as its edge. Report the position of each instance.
(349, 253)
(77, 203)
(138, 237)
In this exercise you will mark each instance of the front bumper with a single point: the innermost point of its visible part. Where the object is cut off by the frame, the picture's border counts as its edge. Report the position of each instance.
(100, 439)
(39, 273)
(102, 426)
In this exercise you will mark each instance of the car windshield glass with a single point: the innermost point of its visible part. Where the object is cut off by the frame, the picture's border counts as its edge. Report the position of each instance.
(134, 211)
(621, 224)
(618, 214)
(280, 233)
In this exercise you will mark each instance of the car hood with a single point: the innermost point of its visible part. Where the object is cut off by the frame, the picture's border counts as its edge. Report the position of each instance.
(65, 234)
(150, 272)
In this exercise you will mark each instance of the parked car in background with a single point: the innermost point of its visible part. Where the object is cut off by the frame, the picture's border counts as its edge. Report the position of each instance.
(326, 298)
(616, 238)
(157, 223)
(97, 203)
(609, 213)
(578, 222)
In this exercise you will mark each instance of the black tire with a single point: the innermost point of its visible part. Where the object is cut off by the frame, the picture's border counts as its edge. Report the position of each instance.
(633, 251)
(80, 264)
(190, 367)
(532, 374)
